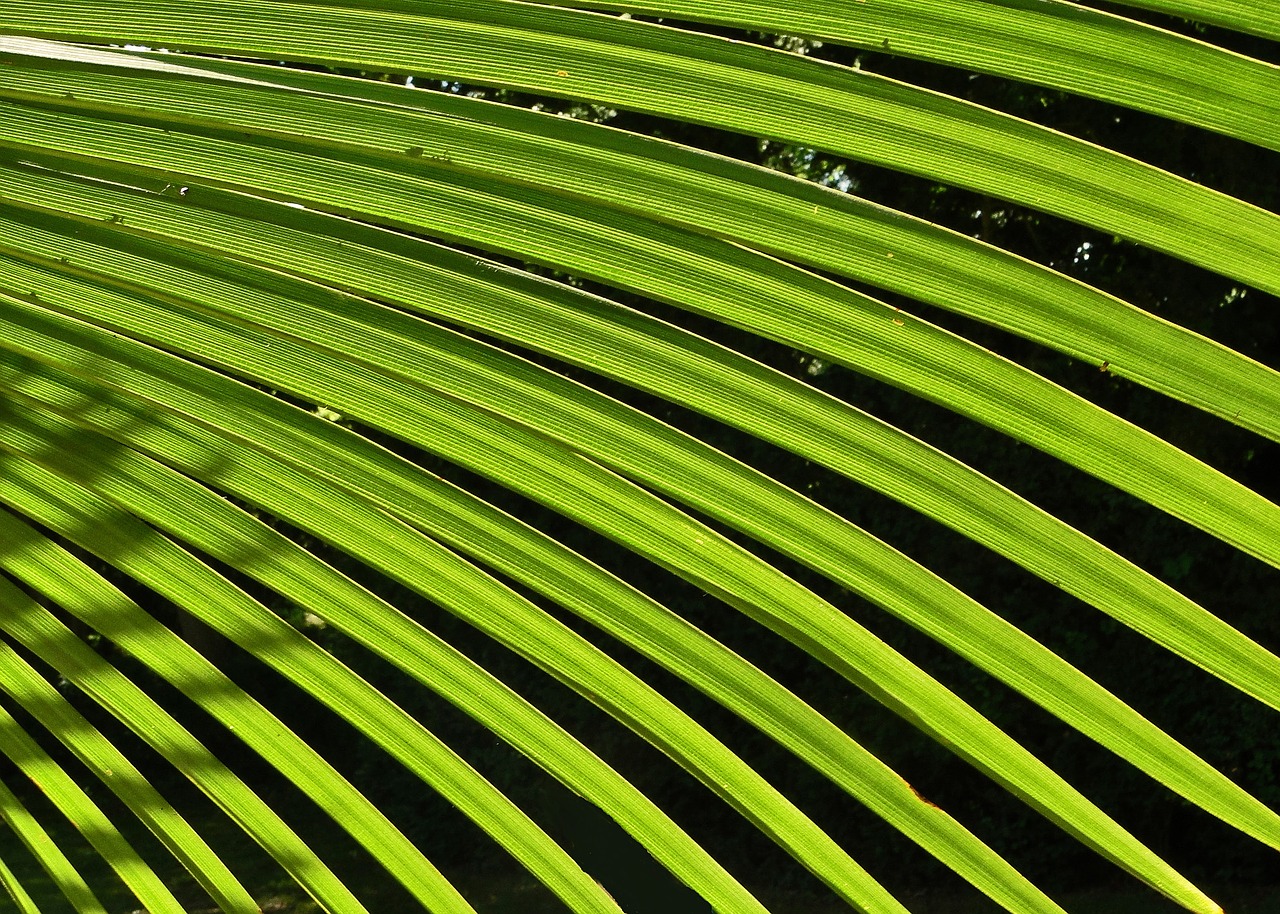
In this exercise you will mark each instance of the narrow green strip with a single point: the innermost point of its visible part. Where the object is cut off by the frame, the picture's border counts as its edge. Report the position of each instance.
(170, 501)
(817, 316)
(46, 852)
(83, 813)
(640, 447)
(156, 562)
(1053, 44)
(516, 550)
(638, 350)
(534, 466)
(96, 525)
(713, 669)
(1261, 17)
(696, 78)
(41, 633)
(17, 893)
(711, 195)
(40, 699)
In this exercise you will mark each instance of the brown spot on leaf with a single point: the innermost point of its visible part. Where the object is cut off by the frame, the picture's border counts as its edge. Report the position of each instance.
(922, 798)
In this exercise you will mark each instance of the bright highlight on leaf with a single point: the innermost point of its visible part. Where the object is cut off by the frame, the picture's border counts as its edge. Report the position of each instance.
(374, 437)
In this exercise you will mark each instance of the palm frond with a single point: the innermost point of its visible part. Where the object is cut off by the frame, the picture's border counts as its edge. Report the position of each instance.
(250, 313)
